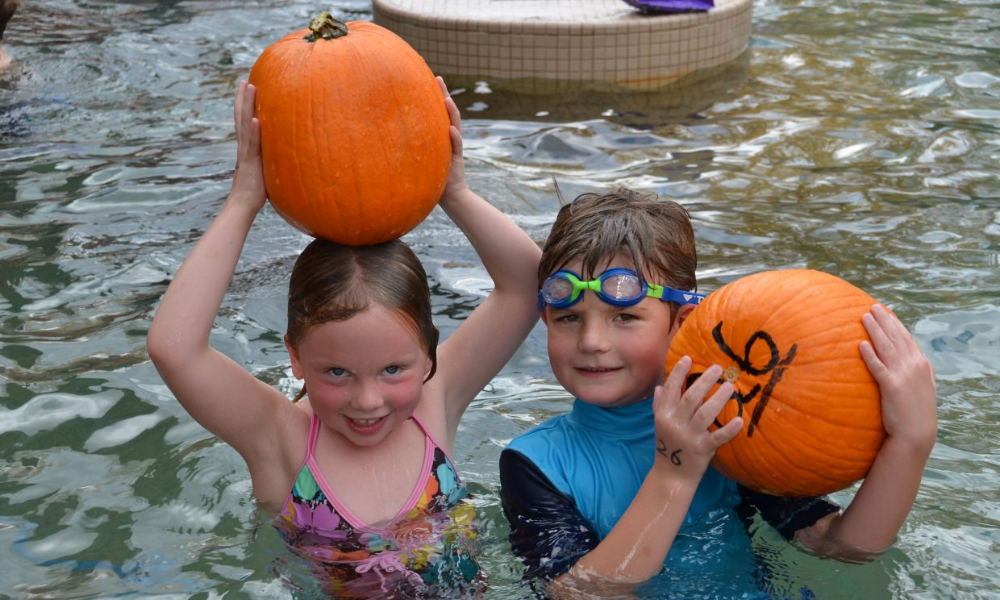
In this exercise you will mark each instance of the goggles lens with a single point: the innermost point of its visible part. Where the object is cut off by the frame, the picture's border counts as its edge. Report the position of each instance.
(623, 287)
(557, 290)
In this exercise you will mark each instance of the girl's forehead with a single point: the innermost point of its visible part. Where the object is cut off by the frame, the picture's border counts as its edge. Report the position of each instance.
(371, 332)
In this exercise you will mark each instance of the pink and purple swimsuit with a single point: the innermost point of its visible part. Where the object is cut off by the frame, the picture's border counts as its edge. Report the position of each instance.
(425, 549)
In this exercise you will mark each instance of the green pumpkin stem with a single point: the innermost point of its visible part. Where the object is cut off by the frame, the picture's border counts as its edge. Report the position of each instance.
(325, 27)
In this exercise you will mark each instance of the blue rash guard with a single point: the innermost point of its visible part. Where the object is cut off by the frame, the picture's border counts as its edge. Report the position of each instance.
(566, 482)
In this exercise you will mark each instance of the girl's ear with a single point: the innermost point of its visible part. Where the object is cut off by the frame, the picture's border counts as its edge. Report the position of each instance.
(297, 370)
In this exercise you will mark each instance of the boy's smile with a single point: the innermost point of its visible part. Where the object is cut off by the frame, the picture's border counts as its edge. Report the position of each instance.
(608, 355)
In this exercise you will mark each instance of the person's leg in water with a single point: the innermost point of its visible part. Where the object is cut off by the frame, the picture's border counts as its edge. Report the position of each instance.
(7, 9)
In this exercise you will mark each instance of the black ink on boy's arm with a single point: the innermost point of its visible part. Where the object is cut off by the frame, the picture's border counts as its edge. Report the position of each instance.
(662, 449)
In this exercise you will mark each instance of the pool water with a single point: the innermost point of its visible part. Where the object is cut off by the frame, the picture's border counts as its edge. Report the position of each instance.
(861, 138)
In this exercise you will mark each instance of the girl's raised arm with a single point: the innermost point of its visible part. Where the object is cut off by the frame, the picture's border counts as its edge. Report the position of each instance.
(484, 343)
(220, 394)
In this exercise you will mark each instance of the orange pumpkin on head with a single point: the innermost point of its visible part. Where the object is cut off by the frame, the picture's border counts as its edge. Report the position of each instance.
(354, 131)
(789, 342)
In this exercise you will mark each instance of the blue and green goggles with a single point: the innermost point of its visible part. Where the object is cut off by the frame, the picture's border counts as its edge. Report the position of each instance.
(617, 287)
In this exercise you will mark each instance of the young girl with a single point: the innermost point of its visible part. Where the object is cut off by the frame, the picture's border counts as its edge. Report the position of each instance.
(357, 470)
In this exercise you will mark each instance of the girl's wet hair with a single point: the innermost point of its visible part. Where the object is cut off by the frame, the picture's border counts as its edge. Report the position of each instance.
(655, 234)
(332, 282)
(7, 9)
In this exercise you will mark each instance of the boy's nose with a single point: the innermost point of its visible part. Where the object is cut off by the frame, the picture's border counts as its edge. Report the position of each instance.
(594, 338)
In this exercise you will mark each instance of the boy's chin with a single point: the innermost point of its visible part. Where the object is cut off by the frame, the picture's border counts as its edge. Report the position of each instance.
(612, 402)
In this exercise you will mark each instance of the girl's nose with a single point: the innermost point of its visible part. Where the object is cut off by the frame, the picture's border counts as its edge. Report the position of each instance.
(368, 398)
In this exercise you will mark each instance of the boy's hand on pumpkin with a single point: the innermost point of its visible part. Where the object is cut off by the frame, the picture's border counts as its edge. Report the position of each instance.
(248, 180)
(684, 445)
(456, 176)
(905, 379)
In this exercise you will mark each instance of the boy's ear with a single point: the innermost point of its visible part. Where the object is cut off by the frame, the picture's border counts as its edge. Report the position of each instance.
(682, 315)
(545, 317)
(294, 354)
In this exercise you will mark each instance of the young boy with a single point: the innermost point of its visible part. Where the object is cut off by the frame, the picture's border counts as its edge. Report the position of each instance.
(593, 498)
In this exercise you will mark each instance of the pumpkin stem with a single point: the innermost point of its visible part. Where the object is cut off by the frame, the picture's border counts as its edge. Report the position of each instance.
(324, 26)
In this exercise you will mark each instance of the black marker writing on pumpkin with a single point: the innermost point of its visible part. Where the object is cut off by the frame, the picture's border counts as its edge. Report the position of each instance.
(776, 366)
(662, 449)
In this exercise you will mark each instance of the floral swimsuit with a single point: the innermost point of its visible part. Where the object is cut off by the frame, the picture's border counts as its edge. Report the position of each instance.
(424, 551)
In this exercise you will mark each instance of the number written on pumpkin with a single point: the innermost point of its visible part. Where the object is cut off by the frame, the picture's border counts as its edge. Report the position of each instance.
(775, 368)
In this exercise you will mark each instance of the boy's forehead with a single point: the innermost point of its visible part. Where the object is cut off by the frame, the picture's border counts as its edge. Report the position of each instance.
(602, 264)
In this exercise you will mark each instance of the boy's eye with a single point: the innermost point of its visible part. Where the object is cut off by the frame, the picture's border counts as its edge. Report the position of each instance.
(626, 317)
(568, 318)
(338, 372)
(392, 370)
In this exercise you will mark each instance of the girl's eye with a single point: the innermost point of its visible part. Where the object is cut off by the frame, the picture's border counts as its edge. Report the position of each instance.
(392, 370)
(338, 372)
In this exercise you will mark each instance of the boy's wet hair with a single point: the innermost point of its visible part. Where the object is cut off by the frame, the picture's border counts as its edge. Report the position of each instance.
(654, 234)
(332, 282)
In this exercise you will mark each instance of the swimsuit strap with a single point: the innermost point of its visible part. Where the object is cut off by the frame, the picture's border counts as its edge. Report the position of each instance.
(420, 424)
(430, 438)
(313, 436)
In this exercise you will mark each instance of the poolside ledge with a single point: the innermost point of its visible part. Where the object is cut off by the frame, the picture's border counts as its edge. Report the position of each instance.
(567, 43)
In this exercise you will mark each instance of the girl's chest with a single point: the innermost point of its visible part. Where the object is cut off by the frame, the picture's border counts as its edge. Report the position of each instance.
(375, 486)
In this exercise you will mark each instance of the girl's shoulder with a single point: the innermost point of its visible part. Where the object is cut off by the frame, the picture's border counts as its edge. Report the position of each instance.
(433, 416)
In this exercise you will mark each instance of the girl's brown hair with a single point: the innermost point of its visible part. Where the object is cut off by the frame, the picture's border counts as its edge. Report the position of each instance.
(595, 228)
(332, 282)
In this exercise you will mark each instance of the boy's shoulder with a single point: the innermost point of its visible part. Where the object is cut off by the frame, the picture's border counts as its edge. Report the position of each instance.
(542, 436)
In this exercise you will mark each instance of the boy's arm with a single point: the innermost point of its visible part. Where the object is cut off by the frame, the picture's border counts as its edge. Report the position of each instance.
(637, 545)
(547, 531)
(221, 395)
(481, 346)
(909, 414)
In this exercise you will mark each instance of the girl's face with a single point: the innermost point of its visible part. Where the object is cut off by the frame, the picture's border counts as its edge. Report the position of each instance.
(363, 375)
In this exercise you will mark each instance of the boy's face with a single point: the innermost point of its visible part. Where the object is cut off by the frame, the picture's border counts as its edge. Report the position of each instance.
(608, 355)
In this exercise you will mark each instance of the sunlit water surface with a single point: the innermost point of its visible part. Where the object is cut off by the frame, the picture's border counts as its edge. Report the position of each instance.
(861, 138)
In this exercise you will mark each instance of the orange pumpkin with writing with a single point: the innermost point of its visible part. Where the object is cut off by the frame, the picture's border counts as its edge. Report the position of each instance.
(789, 343)
(354, 131)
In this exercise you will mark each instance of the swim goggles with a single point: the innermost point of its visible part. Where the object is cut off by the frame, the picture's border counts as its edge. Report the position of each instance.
(617, 287)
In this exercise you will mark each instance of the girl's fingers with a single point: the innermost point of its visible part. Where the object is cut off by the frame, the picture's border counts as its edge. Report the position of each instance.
(456, 140)
(248, 107)
(254, 148)
(453, 115)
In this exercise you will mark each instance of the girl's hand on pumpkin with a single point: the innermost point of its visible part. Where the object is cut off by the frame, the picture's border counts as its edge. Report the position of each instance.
(456, 176)
(905, 379)
(248, 180)
(684, 445)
